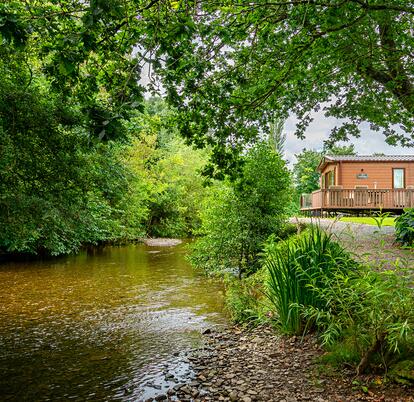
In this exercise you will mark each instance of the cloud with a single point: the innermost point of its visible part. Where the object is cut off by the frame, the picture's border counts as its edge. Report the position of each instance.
(318, 131)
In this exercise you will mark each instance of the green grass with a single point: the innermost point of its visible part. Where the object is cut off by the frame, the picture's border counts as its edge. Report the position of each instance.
(367, 220)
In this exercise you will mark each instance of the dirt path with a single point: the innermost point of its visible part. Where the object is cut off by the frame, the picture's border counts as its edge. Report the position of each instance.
(358, 230)
(368, 243)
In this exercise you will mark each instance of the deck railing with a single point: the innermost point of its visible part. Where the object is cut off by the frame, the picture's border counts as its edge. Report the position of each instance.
(358, 199)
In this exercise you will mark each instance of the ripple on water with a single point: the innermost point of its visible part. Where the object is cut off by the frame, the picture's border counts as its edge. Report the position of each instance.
(104, 326)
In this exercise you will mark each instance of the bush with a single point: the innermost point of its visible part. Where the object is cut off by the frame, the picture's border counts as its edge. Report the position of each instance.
(245, 299)
(297, 268)
(404, 227)
(373, 313)
(237, 217)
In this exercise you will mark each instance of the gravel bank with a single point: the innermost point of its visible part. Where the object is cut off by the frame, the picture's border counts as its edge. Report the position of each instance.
(257, 365)
(162, 242)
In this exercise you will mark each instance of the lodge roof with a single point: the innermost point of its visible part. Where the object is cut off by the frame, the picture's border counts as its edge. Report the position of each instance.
(364, 158)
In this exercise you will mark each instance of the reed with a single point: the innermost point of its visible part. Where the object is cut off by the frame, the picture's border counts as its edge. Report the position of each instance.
(296, 269)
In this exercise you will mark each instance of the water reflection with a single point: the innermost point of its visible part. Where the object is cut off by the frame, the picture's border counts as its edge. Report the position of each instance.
(101, 326)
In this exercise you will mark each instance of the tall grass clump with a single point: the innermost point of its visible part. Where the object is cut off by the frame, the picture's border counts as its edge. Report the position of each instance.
(296, 268)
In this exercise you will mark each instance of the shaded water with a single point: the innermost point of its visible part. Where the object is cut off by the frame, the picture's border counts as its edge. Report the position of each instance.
(106, 326)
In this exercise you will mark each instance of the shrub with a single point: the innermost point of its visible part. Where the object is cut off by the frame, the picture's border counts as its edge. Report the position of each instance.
(237, 217)
(297, 268)
(373, 313)
(404, 227)
(245, 299)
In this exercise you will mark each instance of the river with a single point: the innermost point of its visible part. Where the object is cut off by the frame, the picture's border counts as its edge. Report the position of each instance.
(110, 325)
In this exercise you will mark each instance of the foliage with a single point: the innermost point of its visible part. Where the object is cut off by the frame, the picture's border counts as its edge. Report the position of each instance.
(364, 317)
(341, 150)
(59, 190)
(230, 65)
(63, 88)
(245, 299)
(296, 268)
(84, 50)
(54, 196)
(174, 210)
(230, 68)
(238, 216)
(404, 227)
(380, 218)
(372, 312)
(306, 176)
(168, 170)
(277, 138)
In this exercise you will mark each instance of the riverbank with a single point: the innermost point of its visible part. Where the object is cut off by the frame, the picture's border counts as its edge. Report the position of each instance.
(258, 365)
(92, 248)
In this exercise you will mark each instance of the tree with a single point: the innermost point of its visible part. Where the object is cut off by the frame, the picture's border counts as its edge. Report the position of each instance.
(84, 51)
(277, 138)
(238, 216)
(340, 150)
(306, 177)
(167, 185)
(229, 65)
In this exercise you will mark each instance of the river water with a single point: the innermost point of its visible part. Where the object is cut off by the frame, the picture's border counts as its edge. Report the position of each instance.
(108, 325)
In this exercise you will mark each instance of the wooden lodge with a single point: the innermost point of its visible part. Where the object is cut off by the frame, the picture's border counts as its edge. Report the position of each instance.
(362, 183)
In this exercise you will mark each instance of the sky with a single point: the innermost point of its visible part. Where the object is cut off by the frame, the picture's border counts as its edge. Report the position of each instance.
(318, 131)
(369, 142)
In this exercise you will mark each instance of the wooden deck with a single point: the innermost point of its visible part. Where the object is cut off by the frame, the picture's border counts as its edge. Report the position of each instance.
(358, 199)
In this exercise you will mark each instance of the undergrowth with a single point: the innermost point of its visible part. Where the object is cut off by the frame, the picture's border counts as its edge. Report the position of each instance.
(363, 316)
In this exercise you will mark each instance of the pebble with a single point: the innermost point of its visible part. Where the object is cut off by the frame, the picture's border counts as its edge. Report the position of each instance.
(255, 365)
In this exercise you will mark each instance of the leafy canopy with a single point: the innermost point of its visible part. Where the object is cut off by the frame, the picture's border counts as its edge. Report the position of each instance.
(84, 49)
(231, 66)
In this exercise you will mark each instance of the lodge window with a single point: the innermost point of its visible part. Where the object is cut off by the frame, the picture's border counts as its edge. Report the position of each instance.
(398, 178)
(330, 179)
